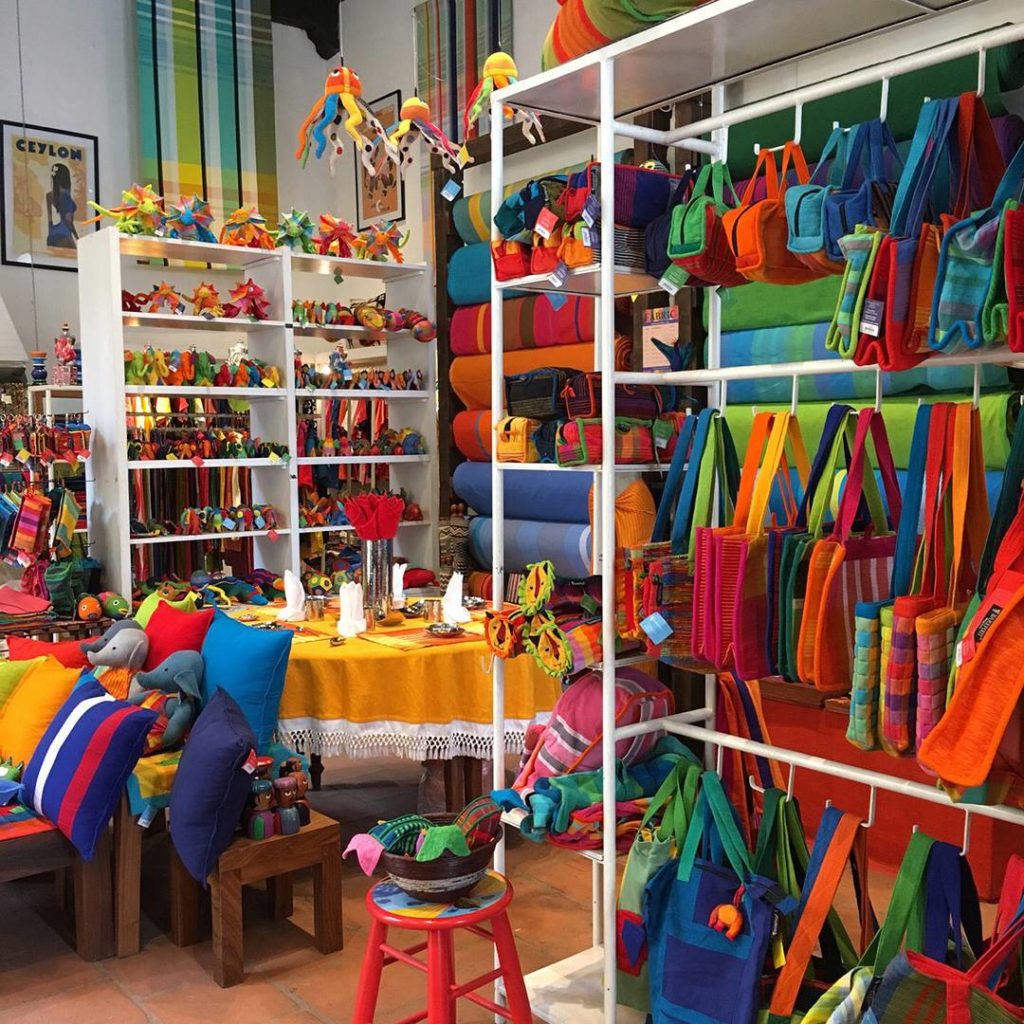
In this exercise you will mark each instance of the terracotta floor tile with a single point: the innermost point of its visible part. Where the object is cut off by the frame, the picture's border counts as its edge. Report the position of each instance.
(100, 1002)
(206, 1002)
(161, 967)
(27, 977)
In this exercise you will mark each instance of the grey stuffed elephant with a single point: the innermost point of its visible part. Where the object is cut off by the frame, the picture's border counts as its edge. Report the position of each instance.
(123, 645)
(173, 690)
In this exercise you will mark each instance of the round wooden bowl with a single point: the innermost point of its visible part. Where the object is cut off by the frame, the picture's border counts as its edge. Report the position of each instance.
(444, 880)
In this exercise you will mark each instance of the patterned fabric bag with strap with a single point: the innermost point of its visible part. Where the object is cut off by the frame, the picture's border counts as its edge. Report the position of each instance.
(757, 230)
(966, 265)
(847, 567)
(1013, 270)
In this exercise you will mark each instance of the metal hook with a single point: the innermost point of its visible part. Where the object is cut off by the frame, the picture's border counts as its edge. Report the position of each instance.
(884, 107)
(795, 397)
(755, 785)
(967, 830)
(981, 72)
(976, 393)
(878, 390)
(790, 783)
(872, 804)
(720, 760)
(798, 123)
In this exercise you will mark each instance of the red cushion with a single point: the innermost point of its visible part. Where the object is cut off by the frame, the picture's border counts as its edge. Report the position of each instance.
(67, 652)
(170, 630)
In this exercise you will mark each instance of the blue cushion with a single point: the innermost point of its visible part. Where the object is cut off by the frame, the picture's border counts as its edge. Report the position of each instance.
(77, 773)
(211, 786)
(250, 664)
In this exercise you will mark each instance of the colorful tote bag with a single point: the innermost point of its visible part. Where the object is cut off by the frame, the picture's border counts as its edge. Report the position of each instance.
(859, 250)
(966, 265)
(1013, 269)
(995, 313)
(849, 567)
(757, 231)
(700, 970)
(659, 840)
(873, 619)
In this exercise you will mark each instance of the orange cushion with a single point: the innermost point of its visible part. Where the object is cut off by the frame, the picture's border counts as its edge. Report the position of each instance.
(170, 630)
(67, 652)
(32, 706)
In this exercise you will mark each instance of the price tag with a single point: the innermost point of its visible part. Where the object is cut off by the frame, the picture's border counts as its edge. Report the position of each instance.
(451, 190)
(147, 816)
(656, 628)
(228, 524)
(23, 455)
(84, 454)
(662, 431)
(587, 238)
(547, 221)
(464, 157)
(250, 763)
(338, 277)
(5, 458)
(197, 460)
(591, 210)
(673, 279)
(272, 535)
(872, 316)
(274, 457)
(559, 274)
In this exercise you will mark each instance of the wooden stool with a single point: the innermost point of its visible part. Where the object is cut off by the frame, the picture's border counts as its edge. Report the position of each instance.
(390, 907)
(245, 861)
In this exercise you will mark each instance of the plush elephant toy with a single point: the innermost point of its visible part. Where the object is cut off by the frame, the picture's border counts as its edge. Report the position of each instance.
(173, 690)
(123, 645)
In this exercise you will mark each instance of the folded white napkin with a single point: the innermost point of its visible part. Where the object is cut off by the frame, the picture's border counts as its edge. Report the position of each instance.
(351, 619)
(452, 607)
(398, 584)
(294, 609)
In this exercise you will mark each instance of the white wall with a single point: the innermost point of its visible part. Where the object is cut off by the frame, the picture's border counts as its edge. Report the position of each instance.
(80, 74)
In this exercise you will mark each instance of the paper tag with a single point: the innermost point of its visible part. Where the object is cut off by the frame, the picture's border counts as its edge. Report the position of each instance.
(662, 431)
(656, 628)
(5, 458)
(587, 238)
(249, 765)
(559, 274)
(271, 534)
(547, 221)
(147, 816)
(23, 455)
(84, 454)
(872, 316)
(274, 457)
(338, 278)
(228, 524)
(591, 210)
(464, 157)
(197, 460)
(451, 190)
(673, 279)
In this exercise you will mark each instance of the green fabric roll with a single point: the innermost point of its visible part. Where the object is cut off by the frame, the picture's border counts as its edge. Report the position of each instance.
(899, 413)
(768, 305)
(1004, 72)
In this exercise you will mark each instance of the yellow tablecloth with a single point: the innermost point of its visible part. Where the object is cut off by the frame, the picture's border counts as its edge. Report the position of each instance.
(364, 699)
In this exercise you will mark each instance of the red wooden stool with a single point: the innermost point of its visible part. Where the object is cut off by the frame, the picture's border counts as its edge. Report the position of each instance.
(390, 907)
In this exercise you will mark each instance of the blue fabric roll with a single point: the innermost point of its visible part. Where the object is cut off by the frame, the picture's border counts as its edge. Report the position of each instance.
(767, 345)
(469, 274)
(559, 497)
(567, 545)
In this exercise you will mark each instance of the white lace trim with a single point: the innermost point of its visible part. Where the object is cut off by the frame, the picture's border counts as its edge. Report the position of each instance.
(418, 742)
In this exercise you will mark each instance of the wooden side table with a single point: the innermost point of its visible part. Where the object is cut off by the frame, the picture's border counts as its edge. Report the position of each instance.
(245, 861)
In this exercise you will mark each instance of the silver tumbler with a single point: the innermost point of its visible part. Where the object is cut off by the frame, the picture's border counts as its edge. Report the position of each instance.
(377, 558)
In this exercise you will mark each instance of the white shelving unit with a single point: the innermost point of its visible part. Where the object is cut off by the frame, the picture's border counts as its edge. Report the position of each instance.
(755, 57)
(109, 262)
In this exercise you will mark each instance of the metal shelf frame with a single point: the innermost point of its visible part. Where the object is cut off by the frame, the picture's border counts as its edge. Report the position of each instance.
(601, 89)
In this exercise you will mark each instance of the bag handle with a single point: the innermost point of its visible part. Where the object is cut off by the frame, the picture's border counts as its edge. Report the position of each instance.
(881, 142)
(714, 803)
(835, 149)
(835, 422)
(833, 846)
(674, 480)
(679, 193)
(930, 562)
(861, 478)
(683, 520)
(751, 461)
(989, 967)
(671, 802)
(1010, 894)
(906, 532)
(793, 159)
(785, 429)
(981, 161)
(951, 906)
(765, 167)
(930, 136)
(1006, 505)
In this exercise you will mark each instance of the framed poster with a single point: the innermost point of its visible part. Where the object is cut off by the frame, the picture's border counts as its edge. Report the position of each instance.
(380, 196)
(47, 177)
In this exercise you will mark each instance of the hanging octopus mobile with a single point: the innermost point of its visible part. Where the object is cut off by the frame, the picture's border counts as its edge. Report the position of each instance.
(499, 71)
(321, 124)
(415, 124)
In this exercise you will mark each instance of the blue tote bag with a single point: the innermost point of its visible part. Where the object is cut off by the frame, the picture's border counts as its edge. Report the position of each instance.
(700, 973)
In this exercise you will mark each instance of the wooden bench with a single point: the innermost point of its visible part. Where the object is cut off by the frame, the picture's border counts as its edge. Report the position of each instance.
(317, 846)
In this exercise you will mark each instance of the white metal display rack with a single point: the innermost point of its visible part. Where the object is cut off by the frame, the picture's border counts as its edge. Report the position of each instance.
(108, 263)
(756, 57)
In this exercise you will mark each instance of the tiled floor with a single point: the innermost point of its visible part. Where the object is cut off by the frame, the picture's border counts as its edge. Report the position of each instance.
(288, 982)
(42, 981)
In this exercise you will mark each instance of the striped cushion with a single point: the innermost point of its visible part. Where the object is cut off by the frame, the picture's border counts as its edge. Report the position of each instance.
(77, 772)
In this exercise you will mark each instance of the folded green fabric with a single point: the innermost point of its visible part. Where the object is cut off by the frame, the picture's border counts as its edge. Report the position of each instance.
(769, 305)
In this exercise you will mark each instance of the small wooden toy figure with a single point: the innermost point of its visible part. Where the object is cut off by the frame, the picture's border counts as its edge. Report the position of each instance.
(247, 299)
(381, 243)
(164, 299)
(415, 124)
(190, 218)
(246, 228)
(141, 211)
(295, 230)
(320, 126)
(336, 237)
(500, 70)
(206, 301)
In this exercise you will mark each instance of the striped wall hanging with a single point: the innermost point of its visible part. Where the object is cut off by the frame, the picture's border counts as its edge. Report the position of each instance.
(206, 102)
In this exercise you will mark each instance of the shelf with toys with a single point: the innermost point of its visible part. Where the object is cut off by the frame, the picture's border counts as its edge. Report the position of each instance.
(177, 392)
